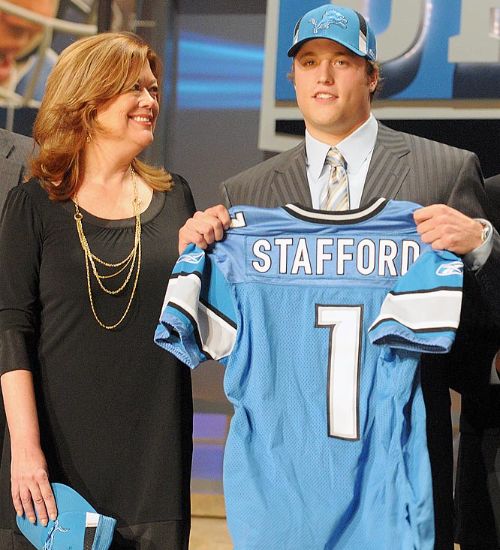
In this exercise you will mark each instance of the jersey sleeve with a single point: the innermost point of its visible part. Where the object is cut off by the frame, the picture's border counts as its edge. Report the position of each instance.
(422, 311)
(198, 320)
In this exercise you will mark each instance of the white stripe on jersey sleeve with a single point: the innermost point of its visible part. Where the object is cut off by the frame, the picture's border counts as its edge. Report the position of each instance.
(423, 310)
(185, 289)
(216, 334)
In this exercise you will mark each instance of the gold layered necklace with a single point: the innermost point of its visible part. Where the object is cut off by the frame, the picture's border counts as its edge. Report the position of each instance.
(133, 260)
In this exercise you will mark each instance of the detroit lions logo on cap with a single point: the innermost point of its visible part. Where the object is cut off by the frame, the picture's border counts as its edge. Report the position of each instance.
(330, 17)
(56, 528)
(452, 268)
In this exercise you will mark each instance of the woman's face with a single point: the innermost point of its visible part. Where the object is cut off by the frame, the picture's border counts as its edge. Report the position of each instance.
(129, 118)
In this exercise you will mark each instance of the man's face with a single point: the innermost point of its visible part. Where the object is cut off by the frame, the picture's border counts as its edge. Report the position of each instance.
(17, 34)
(333, 89)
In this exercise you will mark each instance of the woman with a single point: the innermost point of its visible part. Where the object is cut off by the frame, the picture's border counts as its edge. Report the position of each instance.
(87, 246)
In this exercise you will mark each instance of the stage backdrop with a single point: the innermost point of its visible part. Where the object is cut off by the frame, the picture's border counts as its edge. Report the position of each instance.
(440, 59)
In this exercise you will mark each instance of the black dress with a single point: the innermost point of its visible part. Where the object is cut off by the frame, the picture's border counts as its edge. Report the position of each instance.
(115, 410)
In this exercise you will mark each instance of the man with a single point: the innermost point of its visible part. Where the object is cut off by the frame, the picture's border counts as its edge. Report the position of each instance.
(18, 39)
(477, 489)
(14, 152)
(335, 75)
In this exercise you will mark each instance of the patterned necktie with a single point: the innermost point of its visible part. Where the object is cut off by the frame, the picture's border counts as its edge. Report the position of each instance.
(336, 194)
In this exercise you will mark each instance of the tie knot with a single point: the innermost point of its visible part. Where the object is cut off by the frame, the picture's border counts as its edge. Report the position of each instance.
(335, 158)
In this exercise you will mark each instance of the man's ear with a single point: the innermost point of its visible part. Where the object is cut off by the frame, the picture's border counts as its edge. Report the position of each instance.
(373, 80)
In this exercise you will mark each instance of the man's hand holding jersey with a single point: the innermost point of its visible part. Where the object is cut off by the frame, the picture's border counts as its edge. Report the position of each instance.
(205, 227)
(445, 228)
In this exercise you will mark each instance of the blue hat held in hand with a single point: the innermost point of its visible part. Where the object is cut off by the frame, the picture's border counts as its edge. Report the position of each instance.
(343, 25)
(77, 526)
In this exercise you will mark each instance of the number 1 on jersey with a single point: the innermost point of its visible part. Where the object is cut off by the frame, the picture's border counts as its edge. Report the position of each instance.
(345, 324)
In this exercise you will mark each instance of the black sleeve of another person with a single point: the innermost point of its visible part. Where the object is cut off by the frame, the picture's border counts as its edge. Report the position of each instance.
(477, 488)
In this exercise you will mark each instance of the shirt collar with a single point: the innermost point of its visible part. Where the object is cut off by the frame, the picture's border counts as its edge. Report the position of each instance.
(355, 148)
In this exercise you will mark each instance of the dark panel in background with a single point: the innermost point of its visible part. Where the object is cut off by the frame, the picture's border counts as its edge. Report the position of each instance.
(480, 136)
(221, 6)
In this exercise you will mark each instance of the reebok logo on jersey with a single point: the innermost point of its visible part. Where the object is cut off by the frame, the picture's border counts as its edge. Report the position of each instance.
(451, 268)
(191, 258)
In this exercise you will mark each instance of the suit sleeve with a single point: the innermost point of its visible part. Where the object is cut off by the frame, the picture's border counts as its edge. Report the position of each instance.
(422, 311)
(488, 279)
(469, 196)
(198, 319)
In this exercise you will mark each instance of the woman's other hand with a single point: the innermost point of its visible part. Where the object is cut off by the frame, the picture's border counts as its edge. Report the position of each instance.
(30, 486)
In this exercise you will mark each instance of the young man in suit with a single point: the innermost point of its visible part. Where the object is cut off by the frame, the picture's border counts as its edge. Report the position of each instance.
(14, 153)
(477, 487)
(335, 76)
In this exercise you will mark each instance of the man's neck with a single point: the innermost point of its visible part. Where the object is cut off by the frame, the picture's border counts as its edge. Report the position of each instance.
(334, 138)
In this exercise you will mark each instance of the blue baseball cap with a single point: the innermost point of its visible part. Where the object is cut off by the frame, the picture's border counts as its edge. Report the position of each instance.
(77, 526)
(343, 25)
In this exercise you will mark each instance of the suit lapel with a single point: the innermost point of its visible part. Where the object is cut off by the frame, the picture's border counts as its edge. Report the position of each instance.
(388, 167)
(289, 183)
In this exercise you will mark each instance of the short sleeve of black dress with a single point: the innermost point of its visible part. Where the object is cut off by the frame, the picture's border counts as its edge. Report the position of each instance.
(115, 410)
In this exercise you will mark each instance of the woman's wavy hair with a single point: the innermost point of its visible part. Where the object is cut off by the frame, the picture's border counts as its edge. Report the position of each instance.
(88, 73)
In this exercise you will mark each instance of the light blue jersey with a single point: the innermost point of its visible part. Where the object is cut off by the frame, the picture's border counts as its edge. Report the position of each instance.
(319, 319)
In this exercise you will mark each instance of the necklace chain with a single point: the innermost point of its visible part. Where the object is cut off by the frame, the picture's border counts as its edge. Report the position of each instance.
(132, 260)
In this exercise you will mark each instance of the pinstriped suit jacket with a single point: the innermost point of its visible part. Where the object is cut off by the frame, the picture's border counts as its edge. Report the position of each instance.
(404, 167)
